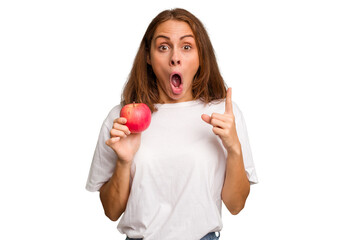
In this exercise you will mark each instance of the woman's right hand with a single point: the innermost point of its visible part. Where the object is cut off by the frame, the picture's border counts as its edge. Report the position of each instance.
(124, 143)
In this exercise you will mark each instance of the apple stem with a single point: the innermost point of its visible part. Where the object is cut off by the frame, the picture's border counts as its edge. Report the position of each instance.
(133, 104)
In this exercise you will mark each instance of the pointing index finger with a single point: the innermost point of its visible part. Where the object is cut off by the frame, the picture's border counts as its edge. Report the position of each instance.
(228, 103)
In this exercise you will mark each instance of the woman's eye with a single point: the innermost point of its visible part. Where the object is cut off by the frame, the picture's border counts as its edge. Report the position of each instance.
(187, 47)
(163, 48)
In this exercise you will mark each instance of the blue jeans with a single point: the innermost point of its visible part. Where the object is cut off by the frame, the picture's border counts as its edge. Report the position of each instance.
(209, 236)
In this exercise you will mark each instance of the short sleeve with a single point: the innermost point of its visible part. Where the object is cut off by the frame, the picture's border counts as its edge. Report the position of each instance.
(245, 145)
(104, 159)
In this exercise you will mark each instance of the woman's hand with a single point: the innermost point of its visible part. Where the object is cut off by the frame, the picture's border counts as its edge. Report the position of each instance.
(224, 125)
(124, 143)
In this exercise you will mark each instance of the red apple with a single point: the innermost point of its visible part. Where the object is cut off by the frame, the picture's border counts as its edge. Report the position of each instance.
(138, 116)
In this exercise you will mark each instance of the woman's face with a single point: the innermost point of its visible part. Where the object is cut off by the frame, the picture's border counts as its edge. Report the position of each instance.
(174, 59)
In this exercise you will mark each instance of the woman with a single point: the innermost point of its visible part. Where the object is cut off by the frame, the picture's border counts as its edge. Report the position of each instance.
(169, 181)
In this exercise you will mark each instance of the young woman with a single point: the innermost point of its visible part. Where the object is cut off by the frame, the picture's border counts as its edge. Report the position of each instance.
(169, 181)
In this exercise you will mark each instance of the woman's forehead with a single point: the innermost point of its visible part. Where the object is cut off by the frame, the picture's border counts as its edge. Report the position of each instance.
(173, 29)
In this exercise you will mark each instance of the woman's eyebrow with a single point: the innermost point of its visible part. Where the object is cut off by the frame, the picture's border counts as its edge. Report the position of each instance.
(189, 35)
(163, 36)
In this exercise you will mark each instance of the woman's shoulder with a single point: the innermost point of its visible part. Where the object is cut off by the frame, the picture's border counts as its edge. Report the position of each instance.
(115, 110)
(219, 104)
(112, 115)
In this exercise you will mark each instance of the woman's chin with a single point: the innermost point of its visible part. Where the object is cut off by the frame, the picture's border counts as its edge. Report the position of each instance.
(174, 95)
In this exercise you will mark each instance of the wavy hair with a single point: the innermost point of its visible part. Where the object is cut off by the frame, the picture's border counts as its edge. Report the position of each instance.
(208, 84)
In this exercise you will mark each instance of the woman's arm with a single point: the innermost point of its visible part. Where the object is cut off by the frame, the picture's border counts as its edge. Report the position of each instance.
(114, 194)
(236, 186)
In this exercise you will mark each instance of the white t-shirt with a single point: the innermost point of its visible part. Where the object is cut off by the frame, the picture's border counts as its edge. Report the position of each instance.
(177, 174)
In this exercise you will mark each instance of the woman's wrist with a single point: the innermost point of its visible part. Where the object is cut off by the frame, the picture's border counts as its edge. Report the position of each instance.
(235, 149)
(123, 164)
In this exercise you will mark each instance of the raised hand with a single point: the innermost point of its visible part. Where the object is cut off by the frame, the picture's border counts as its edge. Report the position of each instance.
(124, 143)
(224, 125)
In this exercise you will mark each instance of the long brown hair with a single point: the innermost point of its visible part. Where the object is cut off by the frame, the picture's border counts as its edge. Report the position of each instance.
(208, 84)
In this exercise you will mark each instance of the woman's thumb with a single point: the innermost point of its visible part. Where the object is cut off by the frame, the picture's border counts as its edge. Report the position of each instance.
(206, 118)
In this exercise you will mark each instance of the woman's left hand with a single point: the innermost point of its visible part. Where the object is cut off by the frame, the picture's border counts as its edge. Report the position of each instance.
(224, 125)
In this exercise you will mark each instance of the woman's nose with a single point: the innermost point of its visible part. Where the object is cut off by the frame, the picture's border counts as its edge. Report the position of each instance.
(175, 59)
(175, 62)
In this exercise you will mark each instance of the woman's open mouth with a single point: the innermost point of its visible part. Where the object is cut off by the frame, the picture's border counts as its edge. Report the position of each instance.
(176, 83)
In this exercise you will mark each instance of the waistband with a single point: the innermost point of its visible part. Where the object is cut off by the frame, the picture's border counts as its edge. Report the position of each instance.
(209, 236)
